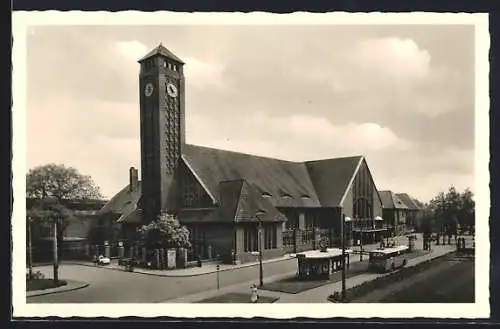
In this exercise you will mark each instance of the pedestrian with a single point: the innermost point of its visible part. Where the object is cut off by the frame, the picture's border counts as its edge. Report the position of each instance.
(254, 293)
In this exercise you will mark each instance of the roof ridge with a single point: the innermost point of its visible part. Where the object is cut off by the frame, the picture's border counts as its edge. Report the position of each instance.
(276, 159)
(243, 153)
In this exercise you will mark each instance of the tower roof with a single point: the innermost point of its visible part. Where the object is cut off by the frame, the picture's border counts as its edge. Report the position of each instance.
(161, 50)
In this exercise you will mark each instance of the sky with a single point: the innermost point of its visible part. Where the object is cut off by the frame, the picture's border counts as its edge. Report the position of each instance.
(402, 96)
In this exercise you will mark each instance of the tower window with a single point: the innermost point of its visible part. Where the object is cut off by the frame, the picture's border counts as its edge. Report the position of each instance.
(174, 67)
(164, 63)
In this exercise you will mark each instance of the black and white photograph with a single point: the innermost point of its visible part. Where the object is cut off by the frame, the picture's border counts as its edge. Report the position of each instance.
(209, 160)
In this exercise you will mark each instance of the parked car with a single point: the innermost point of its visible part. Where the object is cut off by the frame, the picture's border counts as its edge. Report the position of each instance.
(101, 260)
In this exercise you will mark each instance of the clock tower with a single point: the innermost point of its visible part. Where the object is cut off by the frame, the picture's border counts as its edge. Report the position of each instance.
(161, 84)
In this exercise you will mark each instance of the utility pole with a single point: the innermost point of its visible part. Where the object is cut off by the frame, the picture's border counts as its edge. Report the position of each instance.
(342, 241)
(30, 251)
(54, 244)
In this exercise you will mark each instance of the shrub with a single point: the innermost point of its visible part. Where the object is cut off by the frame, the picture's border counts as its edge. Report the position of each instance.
(35, 276)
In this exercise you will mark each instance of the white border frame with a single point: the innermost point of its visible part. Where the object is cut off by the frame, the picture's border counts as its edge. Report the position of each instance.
(22, 20)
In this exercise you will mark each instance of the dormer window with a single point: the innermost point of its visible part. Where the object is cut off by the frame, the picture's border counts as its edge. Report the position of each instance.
(305, 196)
(266, 195)
(286, 196)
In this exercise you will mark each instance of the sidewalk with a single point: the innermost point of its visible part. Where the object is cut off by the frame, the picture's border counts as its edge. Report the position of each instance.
(69, 286)
(315, 295)
(187, 272)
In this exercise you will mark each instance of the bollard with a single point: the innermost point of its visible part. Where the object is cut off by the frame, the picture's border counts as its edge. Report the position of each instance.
(218, 276)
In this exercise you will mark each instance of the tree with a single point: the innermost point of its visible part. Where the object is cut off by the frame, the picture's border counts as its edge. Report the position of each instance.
(452, 209)
(60, 182)
(50, 185)
(165, 232)
(50, 211)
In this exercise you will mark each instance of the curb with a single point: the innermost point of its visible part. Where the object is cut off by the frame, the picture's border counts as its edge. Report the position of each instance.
(78, 285)
(138, 271)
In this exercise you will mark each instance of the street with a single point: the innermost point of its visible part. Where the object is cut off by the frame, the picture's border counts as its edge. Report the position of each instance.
(112, 286)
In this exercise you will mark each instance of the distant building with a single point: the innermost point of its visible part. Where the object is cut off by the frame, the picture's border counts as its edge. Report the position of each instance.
(395, 213)
(82, 222)
(414, 213)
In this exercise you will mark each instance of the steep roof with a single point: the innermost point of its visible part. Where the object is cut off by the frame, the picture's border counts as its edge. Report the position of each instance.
(123, 202)
(241, 183)
(391, 201)
(161, 50)
(331, 178)
(287, 183)
(408, 201)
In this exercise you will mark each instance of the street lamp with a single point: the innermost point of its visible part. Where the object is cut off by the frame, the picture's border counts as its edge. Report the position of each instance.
(30, 250)
(361, 240)
(342, 240)
(259, 216)
(379, 219)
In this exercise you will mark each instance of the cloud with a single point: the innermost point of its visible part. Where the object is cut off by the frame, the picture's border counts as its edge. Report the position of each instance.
(132, 50)
(202, 73)
(393, 57)
(298, 137)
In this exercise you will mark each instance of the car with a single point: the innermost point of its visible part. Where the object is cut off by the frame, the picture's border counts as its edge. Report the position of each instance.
(101, 260)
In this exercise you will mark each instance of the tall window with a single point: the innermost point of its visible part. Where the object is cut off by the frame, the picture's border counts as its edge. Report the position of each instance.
(251, 239)
(270, 236)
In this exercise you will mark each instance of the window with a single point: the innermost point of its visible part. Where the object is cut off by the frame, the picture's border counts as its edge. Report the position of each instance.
(266, 195)
(270, 236)
(251, 239)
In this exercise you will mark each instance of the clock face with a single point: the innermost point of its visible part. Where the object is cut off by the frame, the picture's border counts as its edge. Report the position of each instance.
(148, 90)
(171, 90)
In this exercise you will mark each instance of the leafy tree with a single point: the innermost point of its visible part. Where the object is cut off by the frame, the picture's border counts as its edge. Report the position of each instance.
(452, 209)
(49, 211)
(52, 184)
(60, 182)
(165, 232)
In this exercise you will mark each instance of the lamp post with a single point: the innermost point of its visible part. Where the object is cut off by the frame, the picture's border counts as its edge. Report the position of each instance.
(30, 251)
(361, 240)
(342, 241)
(378, 219)
(259, 216)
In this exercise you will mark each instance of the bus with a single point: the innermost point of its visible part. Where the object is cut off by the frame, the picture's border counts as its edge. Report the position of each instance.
(388, 259)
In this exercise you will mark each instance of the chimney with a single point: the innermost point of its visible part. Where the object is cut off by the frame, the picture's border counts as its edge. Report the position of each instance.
(134, 179)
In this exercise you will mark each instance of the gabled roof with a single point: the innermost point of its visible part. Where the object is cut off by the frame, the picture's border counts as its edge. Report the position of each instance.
(239, 183)
(408, 201)
(240, 202)
(331, 178)
(124, 202)
(251, 202)
(161, 50)
(391, 201)
(287, 183)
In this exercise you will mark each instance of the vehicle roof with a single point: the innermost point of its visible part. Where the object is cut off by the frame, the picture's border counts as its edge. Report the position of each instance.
(390, 250)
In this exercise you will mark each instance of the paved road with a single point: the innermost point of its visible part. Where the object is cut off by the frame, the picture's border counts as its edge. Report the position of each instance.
(112, 286)
(450, 281)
